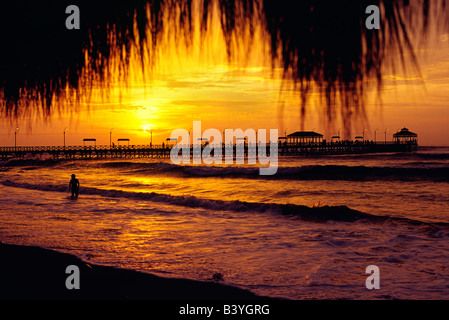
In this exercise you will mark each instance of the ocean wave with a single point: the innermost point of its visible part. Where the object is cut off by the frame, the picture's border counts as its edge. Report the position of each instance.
(435, 156)
(413, 170)
(314, 214)
(432, 153)
(343, 172)
(310, 172)
(426, 163)
(37, 161)
(324, 213)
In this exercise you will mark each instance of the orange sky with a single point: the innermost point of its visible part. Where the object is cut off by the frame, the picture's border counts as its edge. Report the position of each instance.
(202, 85)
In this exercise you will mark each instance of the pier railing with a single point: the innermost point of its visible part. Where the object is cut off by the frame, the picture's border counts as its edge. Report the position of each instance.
(74, 148)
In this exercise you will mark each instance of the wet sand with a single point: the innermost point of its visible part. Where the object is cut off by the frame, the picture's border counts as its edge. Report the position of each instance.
(36, 273)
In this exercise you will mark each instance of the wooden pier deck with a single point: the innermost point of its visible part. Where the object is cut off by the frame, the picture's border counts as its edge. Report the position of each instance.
(163, 151)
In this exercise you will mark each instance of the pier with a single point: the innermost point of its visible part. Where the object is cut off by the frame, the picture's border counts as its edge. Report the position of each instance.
(163, 151)
(300, 143)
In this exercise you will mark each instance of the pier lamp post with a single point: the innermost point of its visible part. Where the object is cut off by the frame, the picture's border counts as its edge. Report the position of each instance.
(339, 132)
(190, 135)
(375, 135)
(363, 133)
(110, 138)
(15, 138)
(386, 135)
(64, 135)
(285, 136)
(223, 137)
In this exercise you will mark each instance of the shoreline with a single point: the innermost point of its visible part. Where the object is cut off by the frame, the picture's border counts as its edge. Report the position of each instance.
(34, 273)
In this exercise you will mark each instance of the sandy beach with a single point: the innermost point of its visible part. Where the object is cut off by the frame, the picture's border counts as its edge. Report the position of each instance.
(36, 273)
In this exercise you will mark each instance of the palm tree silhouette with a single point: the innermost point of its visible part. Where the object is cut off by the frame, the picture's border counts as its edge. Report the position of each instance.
(324, 43)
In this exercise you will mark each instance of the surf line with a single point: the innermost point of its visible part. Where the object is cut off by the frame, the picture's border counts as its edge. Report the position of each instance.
(208, 147)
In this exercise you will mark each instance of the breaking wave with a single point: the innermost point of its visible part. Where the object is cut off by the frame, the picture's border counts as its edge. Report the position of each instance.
(314, 214)
(311, 172)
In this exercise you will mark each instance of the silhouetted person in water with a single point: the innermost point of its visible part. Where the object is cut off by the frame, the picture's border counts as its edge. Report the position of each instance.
(74, 186)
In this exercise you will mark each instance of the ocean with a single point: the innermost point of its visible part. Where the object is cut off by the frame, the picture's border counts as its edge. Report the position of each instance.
(308, 232)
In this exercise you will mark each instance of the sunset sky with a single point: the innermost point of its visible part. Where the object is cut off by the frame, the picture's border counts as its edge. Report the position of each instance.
(202, 84)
